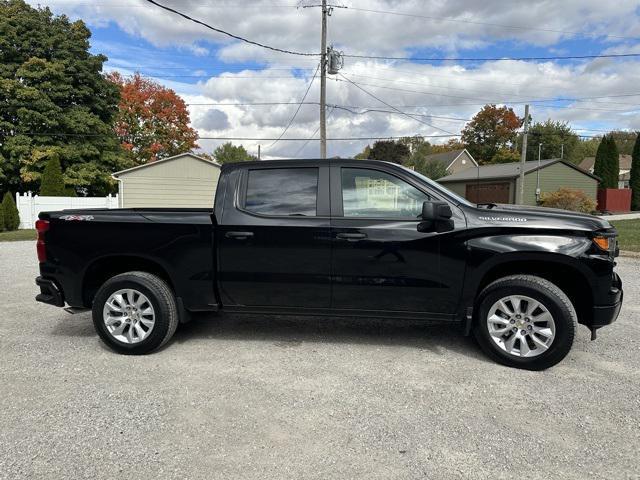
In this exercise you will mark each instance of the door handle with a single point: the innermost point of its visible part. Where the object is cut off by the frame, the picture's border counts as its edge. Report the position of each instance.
(351, 237)
(239, 235)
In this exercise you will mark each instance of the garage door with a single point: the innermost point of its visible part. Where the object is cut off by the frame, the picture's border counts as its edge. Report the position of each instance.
(488, 193)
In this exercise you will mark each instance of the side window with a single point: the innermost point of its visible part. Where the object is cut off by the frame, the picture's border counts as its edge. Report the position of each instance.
(282, 191)
(371, 193)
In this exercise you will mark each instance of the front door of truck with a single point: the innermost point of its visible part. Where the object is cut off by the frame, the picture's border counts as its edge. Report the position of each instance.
(274, 238)
(380, 260)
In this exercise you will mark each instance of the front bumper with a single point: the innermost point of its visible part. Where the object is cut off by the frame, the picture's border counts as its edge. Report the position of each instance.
(606, 314)
(49, 292)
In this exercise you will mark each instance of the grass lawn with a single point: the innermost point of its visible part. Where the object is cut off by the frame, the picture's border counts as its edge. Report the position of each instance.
(17, 235)
(629, 234)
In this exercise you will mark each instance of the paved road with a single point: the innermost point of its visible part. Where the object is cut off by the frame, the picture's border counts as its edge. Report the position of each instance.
(277, 398)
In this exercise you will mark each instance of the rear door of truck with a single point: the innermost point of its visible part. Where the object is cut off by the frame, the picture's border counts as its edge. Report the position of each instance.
(273, 237)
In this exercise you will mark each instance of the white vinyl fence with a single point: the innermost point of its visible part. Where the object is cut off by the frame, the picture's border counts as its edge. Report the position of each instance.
(29, 206)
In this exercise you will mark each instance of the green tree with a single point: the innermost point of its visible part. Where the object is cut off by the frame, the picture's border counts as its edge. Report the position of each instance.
(491, 129)
(557, 139)
(228, 153)
(625, 141)
(607, 164)
(52, 182)
(505, 155)
(54, 96)
(364, 154)
(434, 169)
(1, 219)
(390, 151)
(10, 212)
(634, 181)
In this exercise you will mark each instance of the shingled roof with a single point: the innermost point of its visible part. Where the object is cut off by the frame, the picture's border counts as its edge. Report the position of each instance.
(504, 170)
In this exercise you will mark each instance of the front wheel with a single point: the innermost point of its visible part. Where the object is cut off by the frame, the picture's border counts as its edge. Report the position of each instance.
(135, 313)
(525, 321)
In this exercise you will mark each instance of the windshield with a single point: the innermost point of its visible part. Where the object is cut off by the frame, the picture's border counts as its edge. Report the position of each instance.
(435, 185)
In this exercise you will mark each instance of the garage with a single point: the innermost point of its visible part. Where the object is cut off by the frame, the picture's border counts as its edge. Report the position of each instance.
(181, 181)
(500, 182)
(488, 192)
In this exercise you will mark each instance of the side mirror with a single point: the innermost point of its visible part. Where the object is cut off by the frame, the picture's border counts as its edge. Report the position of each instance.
(436, 216)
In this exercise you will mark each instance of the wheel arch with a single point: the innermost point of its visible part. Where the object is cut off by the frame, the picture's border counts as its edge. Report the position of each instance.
(563, 271)
(106, 267)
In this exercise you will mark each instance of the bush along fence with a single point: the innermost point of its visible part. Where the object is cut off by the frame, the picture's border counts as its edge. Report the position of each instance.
(29, 206)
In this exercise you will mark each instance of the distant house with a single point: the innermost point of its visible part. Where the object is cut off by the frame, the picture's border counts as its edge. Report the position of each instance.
(500, 183)
(184, 180)
(454, 161)
(625, 168)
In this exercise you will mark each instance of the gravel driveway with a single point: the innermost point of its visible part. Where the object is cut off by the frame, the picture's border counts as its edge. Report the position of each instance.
(239, 397)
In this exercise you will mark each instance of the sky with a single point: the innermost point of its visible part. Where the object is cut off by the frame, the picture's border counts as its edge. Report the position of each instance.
(206, 67)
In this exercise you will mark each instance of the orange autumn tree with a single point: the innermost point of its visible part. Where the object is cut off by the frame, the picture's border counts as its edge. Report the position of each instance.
(152, 120)
(491, 130)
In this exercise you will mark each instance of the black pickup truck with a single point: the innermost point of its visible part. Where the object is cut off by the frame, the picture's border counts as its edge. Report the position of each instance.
(342, 238)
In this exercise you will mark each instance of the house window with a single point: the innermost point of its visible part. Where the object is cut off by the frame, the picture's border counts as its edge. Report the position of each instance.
(282, 191)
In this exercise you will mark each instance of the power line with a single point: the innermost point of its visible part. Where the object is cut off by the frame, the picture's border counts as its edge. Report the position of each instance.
(313, 134)
(391, 106)
(237, 37)
(297, 109)
(475, 22)
(485, 101)
(495, 59)
(392, 80)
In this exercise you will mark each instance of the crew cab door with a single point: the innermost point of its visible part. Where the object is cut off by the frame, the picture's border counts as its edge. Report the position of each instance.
(380, 261)
(273, 237)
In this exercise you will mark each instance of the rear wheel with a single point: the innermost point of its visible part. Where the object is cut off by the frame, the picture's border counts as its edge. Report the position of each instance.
(135, 313)
(525, 321)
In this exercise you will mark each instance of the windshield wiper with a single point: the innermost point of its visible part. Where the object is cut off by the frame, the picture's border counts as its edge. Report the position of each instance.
(489, 205)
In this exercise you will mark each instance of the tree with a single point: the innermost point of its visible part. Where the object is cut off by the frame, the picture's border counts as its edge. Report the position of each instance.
(491, 129)
(364, 154)
(634, 180)
(10, 212)
(52, 183)
(504, 155)
(607, 163)
(53, 96)
(390, 151)
(625, 141)
(152, 120)
(2, 219)
(557, 139)
(228, 153)
(432, 169)
(452, 144)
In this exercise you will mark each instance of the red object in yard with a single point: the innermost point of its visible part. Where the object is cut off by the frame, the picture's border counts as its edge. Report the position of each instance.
(614, 199)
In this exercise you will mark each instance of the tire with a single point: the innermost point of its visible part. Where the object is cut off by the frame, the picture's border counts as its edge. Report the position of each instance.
(145, 331)
(546, 342)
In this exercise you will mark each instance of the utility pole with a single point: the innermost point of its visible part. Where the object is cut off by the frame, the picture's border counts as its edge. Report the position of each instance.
(323, 82)
(538, 173)
(562, 151)
(258, 151)
(523, 156)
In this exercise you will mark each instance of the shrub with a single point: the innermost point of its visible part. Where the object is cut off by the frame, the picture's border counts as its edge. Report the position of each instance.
(1, 219)
(10, 212)
(569, 199)
(52, 183)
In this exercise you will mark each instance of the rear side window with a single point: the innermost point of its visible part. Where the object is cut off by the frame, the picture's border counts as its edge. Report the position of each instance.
(282, 191)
